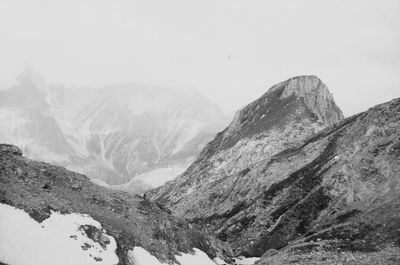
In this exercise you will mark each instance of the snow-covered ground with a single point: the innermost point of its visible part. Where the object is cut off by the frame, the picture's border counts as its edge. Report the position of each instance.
(158, 177)
(57, 240)
(61, 240)
(140, 256)
(146, 181)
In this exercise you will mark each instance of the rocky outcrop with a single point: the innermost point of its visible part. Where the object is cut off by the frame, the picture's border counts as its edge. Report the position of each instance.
(12, 149)
(40, 189)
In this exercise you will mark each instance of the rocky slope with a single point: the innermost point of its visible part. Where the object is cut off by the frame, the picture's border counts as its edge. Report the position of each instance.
(283, 186)
(286, 114)
(113, 134)
(129, 224)
(335, 199)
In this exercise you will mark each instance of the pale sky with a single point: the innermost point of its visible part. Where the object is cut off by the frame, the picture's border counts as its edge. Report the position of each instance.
(231, 51)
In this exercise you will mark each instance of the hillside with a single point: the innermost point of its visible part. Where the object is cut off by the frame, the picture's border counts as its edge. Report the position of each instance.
(44, 208)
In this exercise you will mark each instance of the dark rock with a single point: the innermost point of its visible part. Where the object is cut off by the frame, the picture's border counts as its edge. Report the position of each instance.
(86, 246)
(12, 149)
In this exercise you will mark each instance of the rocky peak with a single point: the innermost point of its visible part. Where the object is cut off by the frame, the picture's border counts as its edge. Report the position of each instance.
(30, 76)
(30, 92)
(310, 89)
(316, 96)
(302, 100)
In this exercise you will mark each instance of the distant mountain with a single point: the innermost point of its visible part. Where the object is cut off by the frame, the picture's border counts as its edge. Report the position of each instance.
(113, 134)
(27, 121)
(50, 215)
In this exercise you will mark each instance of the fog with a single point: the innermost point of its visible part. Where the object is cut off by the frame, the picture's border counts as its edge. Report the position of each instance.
(231, 51)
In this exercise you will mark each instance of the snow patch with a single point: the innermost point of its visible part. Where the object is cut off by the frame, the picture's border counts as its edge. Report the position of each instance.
(140, 256)
(159, 176)
(219, 261)
(199, 258)
(57, 240)
(246, 261)
(99, 182)
(146, 181)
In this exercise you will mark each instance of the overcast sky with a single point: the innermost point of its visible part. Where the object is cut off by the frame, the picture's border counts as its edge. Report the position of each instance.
(231, 51)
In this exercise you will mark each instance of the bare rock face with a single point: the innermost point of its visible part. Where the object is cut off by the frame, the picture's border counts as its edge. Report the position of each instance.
(40, 189)
(316, 97)
(219, 185)
(335, 199)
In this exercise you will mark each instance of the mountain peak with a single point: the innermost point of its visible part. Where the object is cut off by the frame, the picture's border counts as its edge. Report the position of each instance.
(297, 98)
(303, 85)
(316, 95)
(31, 76)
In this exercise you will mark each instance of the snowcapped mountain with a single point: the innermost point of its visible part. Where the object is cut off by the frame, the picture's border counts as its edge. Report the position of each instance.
(112, 134)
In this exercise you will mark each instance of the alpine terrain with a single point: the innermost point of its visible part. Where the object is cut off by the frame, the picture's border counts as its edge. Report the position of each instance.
(50, 215)
(292, 182)
(134, 134)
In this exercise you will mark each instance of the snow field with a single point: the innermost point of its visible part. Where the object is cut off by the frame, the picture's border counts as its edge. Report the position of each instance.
(57, 240)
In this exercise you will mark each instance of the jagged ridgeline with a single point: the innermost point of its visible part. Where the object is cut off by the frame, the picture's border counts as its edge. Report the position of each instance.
(290, 174)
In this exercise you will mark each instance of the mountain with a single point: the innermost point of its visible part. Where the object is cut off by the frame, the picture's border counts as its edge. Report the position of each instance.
(289, 181)
(337, 196)
(286, 114)
(50, 215)
(27, 121)
(133, 129)
(112, 134)
(299, 185)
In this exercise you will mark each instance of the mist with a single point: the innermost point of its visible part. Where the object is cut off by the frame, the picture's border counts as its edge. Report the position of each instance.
(231, 51)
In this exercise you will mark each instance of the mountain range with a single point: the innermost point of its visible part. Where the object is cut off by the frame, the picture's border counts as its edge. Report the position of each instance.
(289, 181)
(134, 135)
